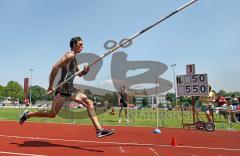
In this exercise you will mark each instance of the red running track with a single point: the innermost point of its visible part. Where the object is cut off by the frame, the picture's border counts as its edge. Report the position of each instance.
(49, 139)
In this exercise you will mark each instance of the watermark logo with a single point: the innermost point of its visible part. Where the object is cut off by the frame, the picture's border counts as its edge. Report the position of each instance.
(119, 68)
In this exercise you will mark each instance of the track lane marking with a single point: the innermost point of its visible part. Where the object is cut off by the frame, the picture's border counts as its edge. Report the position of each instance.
(151, 149)
(120, 143)
(121, 149)
(14, 153)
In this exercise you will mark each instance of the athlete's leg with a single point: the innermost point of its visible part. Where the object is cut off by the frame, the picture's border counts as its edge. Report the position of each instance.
(120, 115)
(56, 106)
(208, 116)
(126, 114)
(84, 100)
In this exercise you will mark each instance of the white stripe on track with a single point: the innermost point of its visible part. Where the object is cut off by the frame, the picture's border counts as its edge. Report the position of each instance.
(151, 149)
(121, 143)
(24, 154)
(121, 149)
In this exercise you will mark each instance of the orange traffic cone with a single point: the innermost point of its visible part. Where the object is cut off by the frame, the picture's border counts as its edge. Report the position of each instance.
(174, 141)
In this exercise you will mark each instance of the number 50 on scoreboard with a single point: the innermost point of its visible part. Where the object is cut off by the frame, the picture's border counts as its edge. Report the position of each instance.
(192, 85)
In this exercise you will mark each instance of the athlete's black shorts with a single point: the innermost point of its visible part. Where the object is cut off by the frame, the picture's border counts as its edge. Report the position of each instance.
(123, 103)
(63, 94)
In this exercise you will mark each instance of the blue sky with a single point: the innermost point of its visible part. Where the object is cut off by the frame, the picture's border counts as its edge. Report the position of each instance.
(35, 33)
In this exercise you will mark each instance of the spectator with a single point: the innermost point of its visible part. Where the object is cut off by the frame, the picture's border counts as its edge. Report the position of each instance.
(207, 103)
(234, 100)
(229, 110)
(220, 100)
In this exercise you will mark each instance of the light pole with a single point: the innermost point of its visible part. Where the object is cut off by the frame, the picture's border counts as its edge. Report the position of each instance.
(174, 82)
(30, 92)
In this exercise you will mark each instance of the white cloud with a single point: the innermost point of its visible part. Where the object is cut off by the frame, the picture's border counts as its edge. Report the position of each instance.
(107, 82)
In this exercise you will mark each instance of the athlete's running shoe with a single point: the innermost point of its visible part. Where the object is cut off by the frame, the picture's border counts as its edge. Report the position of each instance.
(24, 117)
(105, 132)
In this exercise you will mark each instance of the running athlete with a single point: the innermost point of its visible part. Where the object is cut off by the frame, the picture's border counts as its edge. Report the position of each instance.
(66, 92)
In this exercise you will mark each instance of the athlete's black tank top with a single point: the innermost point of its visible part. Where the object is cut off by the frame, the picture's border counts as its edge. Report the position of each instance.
(123, 97)
(66, 72)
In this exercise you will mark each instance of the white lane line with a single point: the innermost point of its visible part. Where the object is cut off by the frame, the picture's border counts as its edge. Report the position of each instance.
(121, 143)
(121, 149)
(80, 141)
(151, 149)
(210, 148)
(25, 154)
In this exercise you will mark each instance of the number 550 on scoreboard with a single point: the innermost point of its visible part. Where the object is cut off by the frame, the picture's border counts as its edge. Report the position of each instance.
(192, 85)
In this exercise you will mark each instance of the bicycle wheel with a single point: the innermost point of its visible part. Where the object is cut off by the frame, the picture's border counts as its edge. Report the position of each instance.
(210, 127)
(200, 125)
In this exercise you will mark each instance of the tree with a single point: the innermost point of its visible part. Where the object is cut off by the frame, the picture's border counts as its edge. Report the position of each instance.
(88, 92)
(134, 100)
(222, 92)
(13, 90)
(170, 97)
(145, 101)
(111, 98)
(37, 93)
(49, 97)
(115, 98)
(1, 93)
(107, 97)
(185, 100)
(1, 89)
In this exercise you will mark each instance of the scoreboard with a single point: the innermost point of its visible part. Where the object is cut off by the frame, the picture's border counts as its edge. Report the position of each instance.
(192, 85)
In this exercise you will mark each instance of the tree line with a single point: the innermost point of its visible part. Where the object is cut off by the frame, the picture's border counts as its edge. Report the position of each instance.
(14, 90)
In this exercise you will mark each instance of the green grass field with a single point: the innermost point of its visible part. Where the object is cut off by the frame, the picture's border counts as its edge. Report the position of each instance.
(145, 117)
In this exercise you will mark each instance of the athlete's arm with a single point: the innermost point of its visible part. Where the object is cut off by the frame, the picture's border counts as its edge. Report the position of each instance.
(61, 63)
(84, 71)
(127, 98)
(119, 97)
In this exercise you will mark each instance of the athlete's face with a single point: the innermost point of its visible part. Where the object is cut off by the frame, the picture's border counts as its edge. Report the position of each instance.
(123, 89)
(79, 46)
